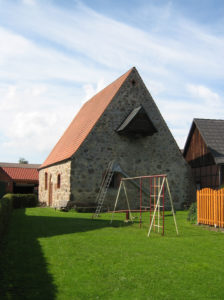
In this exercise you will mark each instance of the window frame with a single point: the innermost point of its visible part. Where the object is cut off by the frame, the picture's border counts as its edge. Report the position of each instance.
(45, 181)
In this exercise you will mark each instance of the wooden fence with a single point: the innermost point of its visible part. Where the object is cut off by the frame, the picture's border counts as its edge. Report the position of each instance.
(210, 207)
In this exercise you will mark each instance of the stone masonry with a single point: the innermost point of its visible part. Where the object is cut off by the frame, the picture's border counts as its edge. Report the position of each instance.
(60, 196)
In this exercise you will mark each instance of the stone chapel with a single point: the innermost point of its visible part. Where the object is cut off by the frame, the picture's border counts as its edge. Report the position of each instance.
(120, 123)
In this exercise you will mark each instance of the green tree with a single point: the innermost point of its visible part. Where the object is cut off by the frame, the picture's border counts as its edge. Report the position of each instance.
(23, 161)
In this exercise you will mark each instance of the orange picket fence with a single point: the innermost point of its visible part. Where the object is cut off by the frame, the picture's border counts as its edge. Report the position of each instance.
(210, 207)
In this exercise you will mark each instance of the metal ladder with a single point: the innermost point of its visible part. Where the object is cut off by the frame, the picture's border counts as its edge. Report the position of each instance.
(103, 188)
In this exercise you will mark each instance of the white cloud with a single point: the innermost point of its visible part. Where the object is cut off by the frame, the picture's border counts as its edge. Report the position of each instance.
(33, 118)
(30, 129)
(91, 90)
(29, 2)
(35, 131)
(53, 59)
(203, 92)
(155, 87)
(199, 102)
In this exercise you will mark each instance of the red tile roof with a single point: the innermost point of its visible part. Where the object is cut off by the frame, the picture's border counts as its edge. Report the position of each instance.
(22, 174)
(83, 123)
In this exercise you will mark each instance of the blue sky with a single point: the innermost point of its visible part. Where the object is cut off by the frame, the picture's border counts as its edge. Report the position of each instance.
(55, 55)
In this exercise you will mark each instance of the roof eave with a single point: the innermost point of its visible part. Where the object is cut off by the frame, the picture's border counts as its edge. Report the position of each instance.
(55, 163)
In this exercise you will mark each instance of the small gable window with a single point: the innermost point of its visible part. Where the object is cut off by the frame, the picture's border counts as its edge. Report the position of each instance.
(59, 181)
(45, 179)
(133, 82)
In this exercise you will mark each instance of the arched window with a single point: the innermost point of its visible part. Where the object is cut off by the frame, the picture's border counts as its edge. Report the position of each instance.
(59, 181)
(45, 177)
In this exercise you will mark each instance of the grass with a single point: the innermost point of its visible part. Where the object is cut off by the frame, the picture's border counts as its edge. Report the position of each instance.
(50, 255)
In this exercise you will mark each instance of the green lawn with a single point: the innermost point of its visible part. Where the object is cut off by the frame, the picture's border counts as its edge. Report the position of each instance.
(49, 254)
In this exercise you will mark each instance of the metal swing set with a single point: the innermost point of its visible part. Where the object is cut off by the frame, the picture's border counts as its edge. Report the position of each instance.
(156, 207)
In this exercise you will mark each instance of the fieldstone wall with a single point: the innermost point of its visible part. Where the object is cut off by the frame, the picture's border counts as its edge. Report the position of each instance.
(60, 196)
(157, 154)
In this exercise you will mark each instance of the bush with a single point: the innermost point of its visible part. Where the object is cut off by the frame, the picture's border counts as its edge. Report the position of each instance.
(6, 206)
(2, 189)
(10, 201)
(192, 213)
(23, 200)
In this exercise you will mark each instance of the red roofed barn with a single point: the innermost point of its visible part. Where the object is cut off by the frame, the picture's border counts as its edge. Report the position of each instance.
(120, 123)
(18, 178)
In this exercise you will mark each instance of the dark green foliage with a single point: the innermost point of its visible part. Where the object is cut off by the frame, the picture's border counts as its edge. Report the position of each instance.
(192, 213)
(2, 188)
(23, 161)
(5, 212)
(23, 200)
(10, 201)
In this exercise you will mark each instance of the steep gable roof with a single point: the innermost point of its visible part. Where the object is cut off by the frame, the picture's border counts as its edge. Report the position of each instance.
(212, 132)
(83, 123)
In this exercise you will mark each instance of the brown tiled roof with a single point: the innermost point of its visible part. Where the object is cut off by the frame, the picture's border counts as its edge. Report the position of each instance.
(83, 123)
(21, 174)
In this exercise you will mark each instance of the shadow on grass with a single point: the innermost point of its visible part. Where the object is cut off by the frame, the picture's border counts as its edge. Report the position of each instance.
(24, 271)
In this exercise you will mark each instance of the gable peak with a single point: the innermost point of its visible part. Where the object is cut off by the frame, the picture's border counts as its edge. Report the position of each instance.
(84, 121)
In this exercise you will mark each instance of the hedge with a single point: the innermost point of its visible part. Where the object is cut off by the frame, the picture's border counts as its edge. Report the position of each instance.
(10, 201)
(23, 200)
(2, 189)
(6, 206)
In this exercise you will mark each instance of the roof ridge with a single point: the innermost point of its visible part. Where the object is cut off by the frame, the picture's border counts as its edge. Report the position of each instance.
(18, 165)
(208, 119)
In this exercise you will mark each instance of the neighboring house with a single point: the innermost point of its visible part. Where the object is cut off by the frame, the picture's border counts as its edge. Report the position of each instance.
(18, 178)
(121, 123)
(204, 151)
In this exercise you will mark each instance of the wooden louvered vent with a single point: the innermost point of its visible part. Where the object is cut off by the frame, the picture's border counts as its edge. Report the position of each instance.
(137, 123)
